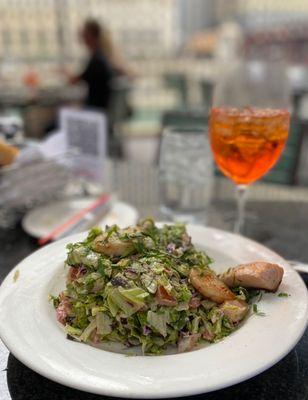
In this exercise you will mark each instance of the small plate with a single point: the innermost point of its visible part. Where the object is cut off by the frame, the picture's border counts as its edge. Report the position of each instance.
(42, 220)
(30, 330)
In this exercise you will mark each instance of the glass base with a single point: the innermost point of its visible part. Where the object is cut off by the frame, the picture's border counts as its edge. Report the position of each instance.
(187, 217)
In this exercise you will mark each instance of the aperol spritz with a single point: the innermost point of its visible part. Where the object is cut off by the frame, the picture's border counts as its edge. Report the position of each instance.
(249, 123)
(247, 142)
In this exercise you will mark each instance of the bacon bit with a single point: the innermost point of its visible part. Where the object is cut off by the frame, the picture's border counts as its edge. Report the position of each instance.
(75, 273)
(163, 298)
(63, 309)
(208, 336)
(94, 337)
(194, 302)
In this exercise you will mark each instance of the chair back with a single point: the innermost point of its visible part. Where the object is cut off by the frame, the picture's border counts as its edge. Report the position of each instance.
(207, 89)
(285, 171)
(118, 112)
(184, 119)
(117, 109)
(178, 82)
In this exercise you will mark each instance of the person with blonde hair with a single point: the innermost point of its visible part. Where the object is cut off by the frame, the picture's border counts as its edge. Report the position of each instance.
(103, 66)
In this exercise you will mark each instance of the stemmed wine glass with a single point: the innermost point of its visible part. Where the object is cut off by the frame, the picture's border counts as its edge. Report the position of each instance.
(249, 124)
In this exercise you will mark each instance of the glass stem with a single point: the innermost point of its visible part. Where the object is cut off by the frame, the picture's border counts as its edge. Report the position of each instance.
(241, 192)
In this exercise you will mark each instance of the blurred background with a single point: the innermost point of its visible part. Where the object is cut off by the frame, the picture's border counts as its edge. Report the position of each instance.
(175, 48)
(147, 67)
(166, 57)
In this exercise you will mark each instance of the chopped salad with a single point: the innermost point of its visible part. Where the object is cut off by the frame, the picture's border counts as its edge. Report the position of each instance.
(134, 286)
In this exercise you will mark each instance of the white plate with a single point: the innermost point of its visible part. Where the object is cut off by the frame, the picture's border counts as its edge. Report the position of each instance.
(42, 220)
(30, 331)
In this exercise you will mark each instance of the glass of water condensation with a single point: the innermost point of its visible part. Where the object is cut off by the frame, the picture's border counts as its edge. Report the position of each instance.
(185, 175)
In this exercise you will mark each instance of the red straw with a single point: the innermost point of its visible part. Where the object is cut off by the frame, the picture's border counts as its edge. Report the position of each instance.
(75, 218)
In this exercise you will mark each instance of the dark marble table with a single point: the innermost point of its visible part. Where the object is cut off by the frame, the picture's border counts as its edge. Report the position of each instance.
(281, 225)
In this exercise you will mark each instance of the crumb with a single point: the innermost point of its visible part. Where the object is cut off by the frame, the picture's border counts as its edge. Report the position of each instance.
(16, 275)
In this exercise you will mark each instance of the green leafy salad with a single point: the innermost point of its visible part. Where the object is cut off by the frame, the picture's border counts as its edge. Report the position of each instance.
(134, 286)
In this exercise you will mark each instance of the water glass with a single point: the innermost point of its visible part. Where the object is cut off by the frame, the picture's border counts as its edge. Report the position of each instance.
(185, 175)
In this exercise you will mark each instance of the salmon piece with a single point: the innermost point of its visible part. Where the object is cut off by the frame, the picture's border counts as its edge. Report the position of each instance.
(234, 310)
(210, 286)
(258, 275)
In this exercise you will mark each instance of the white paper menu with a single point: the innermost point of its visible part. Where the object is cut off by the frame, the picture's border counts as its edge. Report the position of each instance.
(86, 133)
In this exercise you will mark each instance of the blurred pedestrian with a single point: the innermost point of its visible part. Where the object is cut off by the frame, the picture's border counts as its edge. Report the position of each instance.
(104, 64)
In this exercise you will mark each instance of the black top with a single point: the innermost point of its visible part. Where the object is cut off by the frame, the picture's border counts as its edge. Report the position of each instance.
(98, 75)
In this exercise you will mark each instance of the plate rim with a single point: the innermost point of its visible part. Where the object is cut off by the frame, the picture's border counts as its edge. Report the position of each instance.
(24, 221)
(56, 377)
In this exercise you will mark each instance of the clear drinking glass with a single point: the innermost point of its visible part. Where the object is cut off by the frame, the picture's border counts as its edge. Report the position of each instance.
(185, 175)
(249, 124)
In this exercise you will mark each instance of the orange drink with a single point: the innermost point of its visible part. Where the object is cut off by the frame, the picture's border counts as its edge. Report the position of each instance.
(247, 142)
